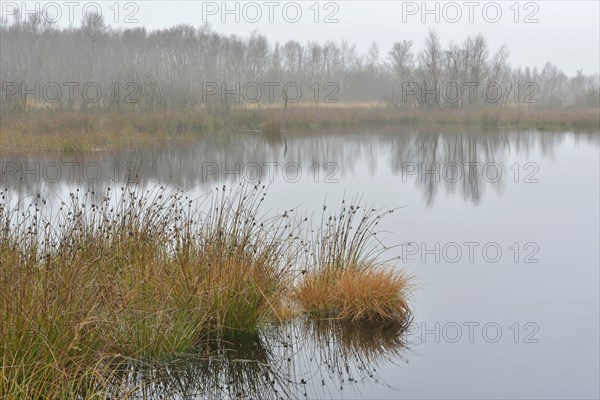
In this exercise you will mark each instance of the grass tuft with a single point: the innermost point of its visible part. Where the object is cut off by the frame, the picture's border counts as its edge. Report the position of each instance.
(132, 275)
(347, 280)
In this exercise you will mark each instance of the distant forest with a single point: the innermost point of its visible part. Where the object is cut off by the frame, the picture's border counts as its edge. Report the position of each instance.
(186, 67)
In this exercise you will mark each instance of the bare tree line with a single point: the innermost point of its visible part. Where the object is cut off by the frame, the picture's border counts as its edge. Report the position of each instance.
(185, 67)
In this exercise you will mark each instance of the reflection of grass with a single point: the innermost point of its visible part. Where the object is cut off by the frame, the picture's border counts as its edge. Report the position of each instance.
(283, 361)
(215, 370)
(63, 130)
(368, 342)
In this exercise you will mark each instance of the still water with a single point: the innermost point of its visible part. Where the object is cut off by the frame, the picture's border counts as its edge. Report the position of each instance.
(500, 229)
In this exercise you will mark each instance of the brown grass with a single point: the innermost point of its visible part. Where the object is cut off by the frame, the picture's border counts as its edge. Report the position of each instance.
(71, 131)
(347, 279)
(113, 277)
(358, 293)
(130, 275)
(271, 127)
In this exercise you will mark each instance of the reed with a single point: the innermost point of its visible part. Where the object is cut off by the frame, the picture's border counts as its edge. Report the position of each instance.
(130, 275)
(77, 131)
(348, 279)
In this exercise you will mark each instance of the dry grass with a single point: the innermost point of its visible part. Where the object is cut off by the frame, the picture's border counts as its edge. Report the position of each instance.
(371, 293)
(130, 275)
(72, 131)
(358, 293)
(271, 127)
(145, 275)
(347, 279)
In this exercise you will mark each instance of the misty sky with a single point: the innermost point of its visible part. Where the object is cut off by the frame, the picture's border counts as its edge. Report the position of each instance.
(566, 32)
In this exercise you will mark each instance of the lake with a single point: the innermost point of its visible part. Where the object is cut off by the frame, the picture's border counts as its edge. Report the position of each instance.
(499, 227)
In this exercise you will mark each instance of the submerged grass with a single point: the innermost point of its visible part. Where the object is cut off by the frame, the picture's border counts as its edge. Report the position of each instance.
(144, 275)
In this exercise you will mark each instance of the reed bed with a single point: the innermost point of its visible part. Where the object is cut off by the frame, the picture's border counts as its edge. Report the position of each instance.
(134, 274)
(77, 130)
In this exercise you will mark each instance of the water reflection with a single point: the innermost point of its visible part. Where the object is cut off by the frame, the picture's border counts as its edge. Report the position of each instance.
(316, 360)
(299, 359)
(462, 162)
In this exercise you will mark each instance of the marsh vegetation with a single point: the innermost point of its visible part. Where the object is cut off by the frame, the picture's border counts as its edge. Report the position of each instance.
(163, 276)
(146, 275)
(71, 132)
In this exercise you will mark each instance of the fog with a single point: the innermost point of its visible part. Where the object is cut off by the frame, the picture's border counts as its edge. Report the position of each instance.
(565, 32)
(95, 63)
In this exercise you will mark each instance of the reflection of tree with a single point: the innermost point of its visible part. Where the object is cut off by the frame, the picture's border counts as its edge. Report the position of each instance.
(433, 159)
(200, 163)
(293, 360)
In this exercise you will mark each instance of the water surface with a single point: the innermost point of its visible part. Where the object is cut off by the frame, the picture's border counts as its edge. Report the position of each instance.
(500, 228)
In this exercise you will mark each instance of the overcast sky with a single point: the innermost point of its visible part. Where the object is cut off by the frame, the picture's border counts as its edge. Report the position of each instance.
(564, 32)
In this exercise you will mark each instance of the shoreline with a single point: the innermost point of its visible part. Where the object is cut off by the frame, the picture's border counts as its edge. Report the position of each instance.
(83, 131)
